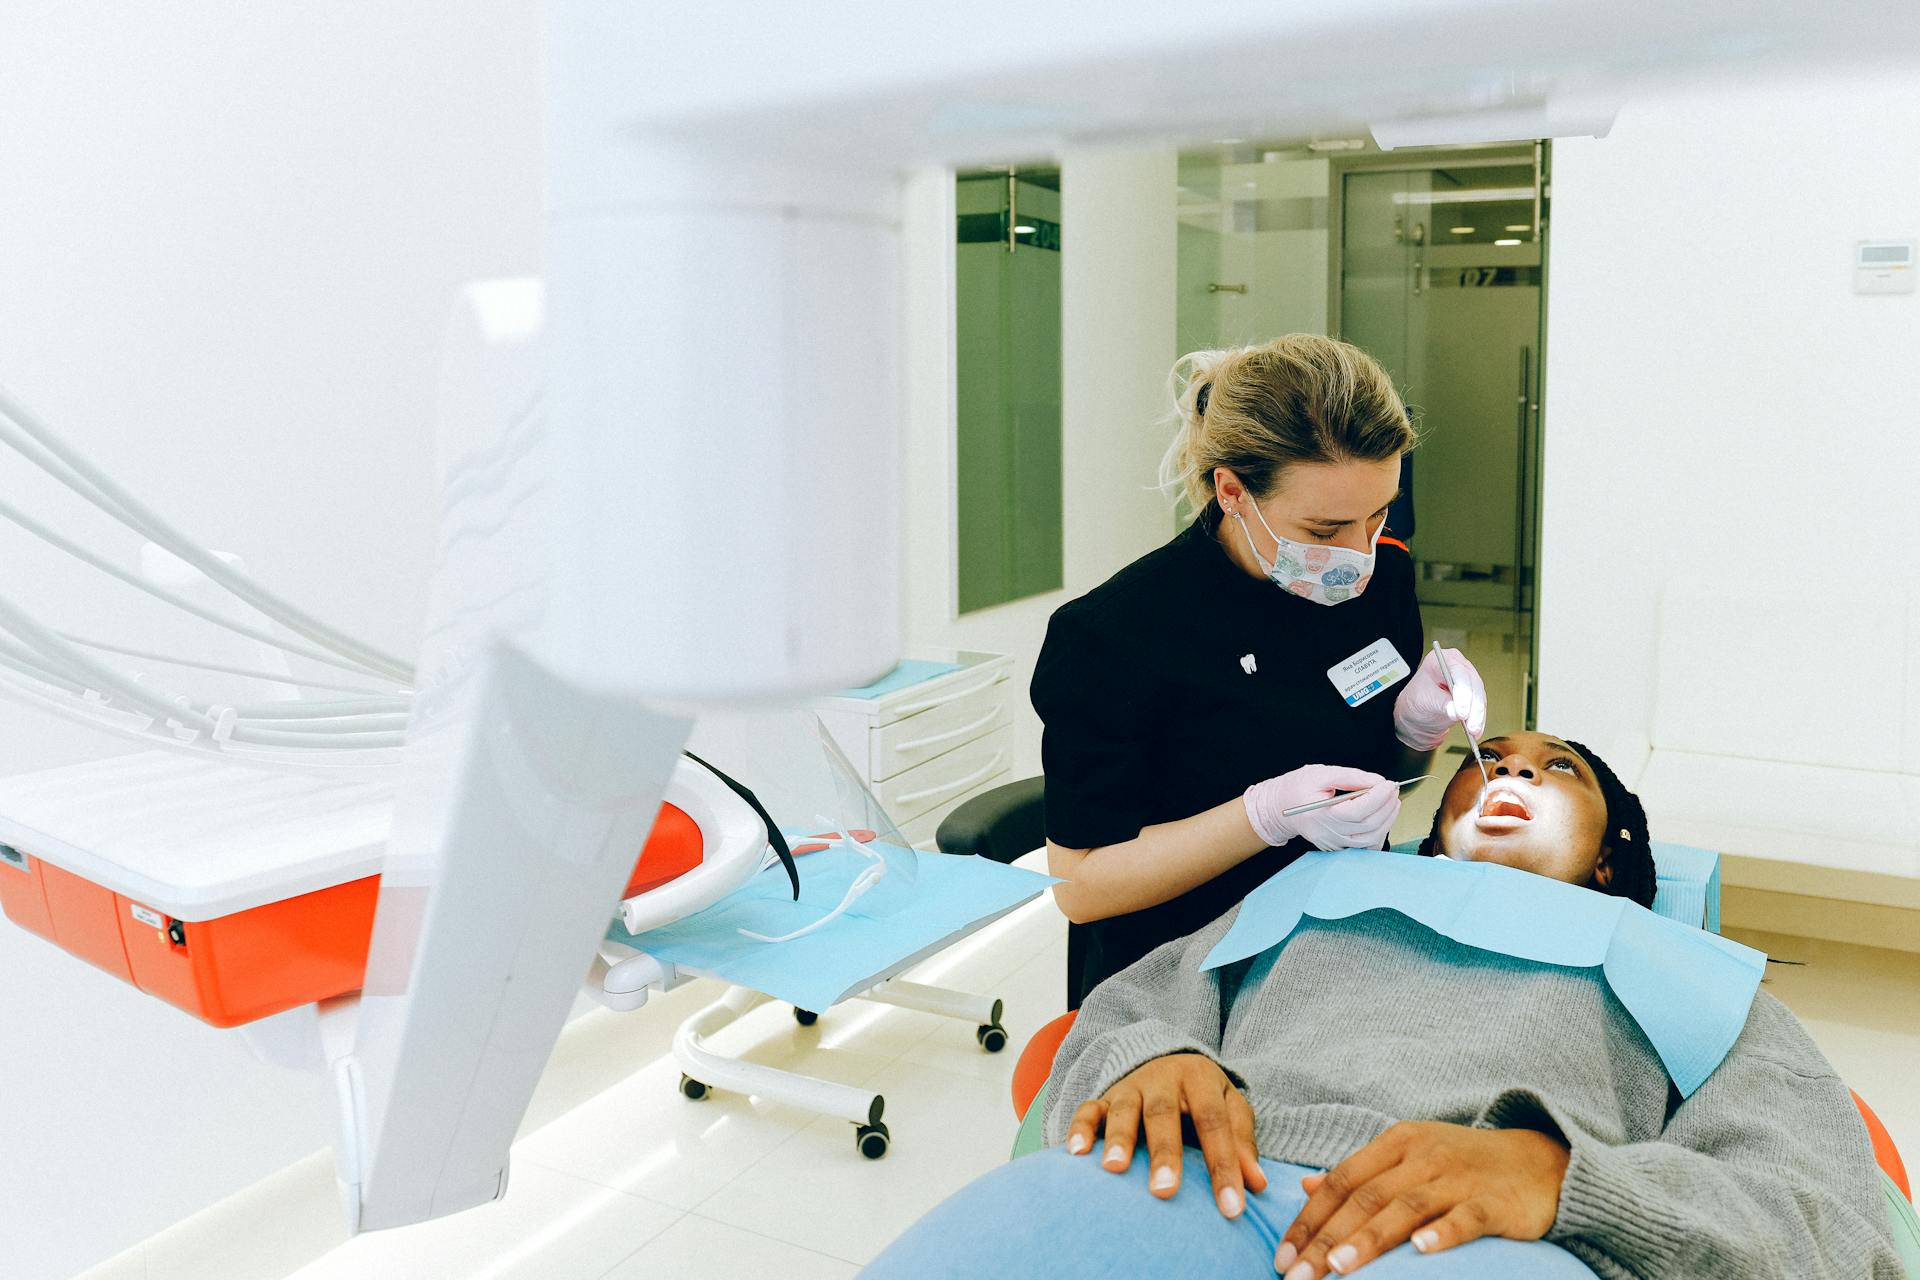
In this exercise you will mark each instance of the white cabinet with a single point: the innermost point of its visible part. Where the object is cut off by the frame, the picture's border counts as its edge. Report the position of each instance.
(925, 748)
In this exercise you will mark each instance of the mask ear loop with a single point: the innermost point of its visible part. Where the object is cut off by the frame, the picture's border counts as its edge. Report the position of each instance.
(870, 875)
(1265, 566)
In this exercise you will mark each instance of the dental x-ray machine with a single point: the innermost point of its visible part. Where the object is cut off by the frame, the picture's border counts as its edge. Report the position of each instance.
(713, 498)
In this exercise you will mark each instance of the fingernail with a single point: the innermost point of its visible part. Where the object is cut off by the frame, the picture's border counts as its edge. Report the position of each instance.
(1230, 1202)
(1162, 1179)
(1425, 1240)
(1342, 1258)
(1284, 1258)
(1302, 1271)
(1115, 1156)
(1078, 1144)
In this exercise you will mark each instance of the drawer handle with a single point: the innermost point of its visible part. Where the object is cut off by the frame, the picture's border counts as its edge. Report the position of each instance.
(916, 708)
(958, 784)
(950, 734)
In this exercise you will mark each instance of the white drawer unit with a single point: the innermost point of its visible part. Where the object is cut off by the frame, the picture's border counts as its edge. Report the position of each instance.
(916, 740)
(939, 783)
(924, 748)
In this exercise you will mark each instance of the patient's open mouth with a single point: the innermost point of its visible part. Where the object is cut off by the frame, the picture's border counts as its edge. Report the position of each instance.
(1505, 802)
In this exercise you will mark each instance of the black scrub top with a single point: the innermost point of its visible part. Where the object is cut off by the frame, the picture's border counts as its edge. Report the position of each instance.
(1151, 717)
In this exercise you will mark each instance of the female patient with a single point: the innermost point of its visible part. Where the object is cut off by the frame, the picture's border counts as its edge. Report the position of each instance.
(1449, 1093)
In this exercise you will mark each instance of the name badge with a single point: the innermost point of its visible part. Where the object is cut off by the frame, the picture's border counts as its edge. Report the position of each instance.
(1378, 666)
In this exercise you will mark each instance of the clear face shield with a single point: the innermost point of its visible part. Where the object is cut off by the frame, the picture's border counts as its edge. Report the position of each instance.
(850, 855)
(864, 880)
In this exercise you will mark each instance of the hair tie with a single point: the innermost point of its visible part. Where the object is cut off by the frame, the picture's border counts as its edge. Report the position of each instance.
(1200, 401)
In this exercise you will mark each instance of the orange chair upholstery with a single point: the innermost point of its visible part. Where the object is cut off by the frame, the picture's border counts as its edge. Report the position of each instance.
(1036, 1064)
(1036, 1061)
(1883, 1151)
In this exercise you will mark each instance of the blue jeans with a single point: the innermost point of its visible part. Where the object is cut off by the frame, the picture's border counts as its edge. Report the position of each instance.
(1061, 1217)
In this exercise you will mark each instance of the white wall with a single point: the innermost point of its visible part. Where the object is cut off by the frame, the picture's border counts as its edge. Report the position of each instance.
(1719, 403)
(228, 241)
(1260, 224)
(229, 237)
(1117, 319)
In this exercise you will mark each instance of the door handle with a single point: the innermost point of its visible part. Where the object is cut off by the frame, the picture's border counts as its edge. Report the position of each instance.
(1522, 414)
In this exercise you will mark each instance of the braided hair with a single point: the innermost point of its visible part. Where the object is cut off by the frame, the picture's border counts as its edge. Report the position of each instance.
(1628, 851)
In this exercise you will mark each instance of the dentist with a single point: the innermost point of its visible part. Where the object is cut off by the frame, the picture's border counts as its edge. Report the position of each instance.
(1268, 656)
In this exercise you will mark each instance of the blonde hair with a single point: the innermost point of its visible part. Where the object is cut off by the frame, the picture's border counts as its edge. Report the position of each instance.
(1301, 398)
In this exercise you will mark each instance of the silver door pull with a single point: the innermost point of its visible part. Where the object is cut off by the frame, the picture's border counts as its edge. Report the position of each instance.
(1226, 288)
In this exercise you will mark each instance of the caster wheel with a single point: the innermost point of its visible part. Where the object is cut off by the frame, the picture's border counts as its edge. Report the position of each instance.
(992, 1037)
(872, 1140)
(692, 1088)
(805, 1017)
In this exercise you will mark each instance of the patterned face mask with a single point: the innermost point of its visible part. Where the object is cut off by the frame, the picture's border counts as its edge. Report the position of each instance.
(1324, 575)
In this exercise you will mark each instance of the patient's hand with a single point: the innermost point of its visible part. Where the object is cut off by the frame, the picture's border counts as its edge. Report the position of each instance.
(1441, 1184)
(1157, 1095)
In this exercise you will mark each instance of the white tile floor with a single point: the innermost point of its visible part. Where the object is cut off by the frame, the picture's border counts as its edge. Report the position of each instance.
(617, 1177)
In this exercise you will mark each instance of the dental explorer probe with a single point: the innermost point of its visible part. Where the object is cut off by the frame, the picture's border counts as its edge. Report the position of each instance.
(1343, 797)
(1447, 671)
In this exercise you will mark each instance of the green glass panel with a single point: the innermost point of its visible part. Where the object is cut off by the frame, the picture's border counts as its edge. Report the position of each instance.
(1007, 332)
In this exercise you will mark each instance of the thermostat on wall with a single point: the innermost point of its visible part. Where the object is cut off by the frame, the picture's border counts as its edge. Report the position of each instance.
(1883, 266)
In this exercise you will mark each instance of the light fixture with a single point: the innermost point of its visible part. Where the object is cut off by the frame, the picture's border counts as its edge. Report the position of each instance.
(1465, 195)
(1461, 231)
(1506, 242)
(1519, 226)
(1024, 230)
(1560, 116)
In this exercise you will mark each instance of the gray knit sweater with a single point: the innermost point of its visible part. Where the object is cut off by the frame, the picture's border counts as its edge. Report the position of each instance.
(1354, 1024)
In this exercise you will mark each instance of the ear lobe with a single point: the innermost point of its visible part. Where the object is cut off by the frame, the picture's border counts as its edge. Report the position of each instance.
(1603, 868)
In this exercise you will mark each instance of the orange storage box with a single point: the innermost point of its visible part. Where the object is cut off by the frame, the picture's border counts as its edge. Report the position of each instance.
(233, 894)
(228, 970)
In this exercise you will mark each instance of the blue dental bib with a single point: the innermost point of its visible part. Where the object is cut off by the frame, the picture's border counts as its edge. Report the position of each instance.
(1689, 990)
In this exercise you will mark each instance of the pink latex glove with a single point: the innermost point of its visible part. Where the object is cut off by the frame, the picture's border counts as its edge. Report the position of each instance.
(1359, 823)
(1427, 709)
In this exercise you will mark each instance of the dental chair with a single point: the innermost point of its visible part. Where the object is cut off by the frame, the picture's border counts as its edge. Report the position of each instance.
(1010, 821)
(246, 898)
(236, 865)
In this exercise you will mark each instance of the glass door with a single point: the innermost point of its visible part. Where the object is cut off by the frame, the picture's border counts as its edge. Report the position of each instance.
(1007, 334)
(1441, 276)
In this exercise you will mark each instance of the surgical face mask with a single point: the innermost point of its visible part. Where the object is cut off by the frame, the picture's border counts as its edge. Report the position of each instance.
(1324, 575)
